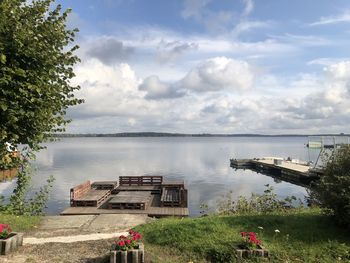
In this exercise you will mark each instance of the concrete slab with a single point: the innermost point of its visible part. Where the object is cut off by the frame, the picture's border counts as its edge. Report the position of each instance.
(116, 222)
(59, 222)
(72, 239)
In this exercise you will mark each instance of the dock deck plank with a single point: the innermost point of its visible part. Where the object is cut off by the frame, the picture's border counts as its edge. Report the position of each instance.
(287, 165)
(92, 195)
(151, 211)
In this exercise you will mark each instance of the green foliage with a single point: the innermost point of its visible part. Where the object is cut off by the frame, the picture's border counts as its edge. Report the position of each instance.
(265, 203)
(36, 66)
(332, 191)
(20, 223)
(37, 59)
(24, 203)
(306, 235)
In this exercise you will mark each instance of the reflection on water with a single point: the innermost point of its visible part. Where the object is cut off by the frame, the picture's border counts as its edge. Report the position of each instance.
(202, 162)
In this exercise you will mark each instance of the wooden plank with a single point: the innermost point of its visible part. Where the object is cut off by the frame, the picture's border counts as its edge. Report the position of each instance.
(104, 185)
(130, 200)
(140, 180)
(150, 211)
(93, 195)
(92, 198)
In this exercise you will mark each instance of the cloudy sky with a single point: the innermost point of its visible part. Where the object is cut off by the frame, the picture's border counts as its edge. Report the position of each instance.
(229, 66)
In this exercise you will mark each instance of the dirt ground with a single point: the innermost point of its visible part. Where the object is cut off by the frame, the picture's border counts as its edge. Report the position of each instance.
(78, 252)
(81, 251)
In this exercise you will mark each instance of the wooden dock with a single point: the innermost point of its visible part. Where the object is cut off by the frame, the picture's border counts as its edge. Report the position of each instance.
(153, 210)
(134, 195)
(8, 174)
(296, 173)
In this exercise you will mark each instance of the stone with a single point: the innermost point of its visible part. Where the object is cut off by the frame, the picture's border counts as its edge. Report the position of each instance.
(11, 243)
(246, 253)
(133, 255)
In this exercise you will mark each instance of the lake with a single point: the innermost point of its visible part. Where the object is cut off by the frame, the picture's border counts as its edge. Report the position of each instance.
(203, 162)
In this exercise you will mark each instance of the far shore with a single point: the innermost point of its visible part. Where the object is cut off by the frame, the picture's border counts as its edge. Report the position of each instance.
(161, 134)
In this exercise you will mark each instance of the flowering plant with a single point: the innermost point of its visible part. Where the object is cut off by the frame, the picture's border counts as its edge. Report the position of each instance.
(250, 239)
(5, 231)
(127, 242)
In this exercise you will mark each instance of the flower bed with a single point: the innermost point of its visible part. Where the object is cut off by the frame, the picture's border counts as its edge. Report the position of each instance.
(251, 246)
(128, 249)
(9, 241)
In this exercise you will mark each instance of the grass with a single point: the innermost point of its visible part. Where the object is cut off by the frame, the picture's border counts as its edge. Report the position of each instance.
(20, 223)
(305, 236)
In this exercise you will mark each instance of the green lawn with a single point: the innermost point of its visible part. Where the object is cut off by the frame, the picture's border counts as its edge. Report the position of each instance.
(20, 223)
(305, 236)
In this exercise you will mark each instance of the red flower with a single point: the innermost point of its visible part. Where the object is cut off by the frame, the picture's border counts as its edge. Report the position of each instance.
(137, 236)
(127, 242)
(121, 243)
(252, 234)
(5, 227)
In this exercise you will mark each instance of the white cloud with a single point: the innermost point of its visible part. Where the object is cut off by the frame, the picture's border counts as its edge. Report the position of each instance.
(109, 50)
(331, 102)
(194, 8)
(331, 20)
(222, 21)
(107, 90)
(303, 40)
(210, 98)
(326, 61)
(249, 7)
(219, 73)
(246, 26)
(155, 89)
(170, 51)
(339, 71)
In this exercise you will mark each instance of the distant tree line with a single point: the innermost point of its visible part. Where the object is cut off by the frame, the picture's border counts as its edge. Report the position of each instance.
(165, 134)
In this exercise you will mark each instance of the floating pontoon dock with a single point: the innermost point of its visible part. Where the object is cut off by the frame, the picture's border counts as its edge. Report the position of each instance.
(134, 195)
(298, 173)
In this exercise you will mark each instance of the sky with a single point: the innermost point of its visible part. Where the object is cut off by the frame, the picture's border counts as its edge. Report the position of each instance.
(205, 66)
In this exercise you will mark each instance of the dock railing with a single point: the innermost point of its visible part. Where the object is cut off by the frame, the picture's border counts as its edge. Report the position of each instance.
(140, 180)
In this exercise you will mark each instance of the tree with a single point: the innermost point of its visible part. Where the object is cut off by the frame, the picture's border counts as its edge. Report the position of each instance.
(36, 65)
(332, 191)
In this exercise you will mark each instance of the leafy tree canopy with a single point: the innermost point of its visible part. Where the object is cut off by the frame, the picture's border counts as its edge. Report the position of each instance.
(333, 189)
(36, 66)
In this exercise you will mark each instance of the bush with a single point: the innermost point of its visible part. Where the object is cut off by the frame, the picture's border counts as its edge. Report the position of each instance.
(332, 191)
(257, 203)
(23, 201)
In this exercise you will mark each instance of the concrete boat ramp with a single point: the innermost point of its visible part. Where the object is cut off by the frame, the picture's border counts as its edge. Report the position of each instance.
(68, 229)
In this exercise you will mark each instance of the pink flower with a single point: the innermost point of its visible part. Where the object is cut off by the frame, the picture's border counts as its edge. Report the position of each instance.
(252, 234)
(121, 243)
(128, 241)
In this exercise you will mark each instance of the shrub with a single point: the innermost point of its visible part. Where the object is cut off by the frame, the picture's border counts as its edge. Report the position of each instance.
(258, 203)
(332, 191)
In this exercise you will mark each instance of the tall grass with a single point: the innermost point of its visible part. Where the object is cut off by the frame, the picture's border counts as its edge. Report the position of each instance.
(20, 223)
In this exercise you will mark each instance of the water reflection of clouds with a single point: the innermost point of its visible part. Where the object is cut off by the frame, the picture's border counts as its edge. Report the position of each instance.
(202, 162)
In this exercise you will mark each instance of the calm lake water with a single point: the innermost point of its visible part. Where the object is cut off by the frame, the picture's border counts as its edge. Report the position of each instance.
(202, 162)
